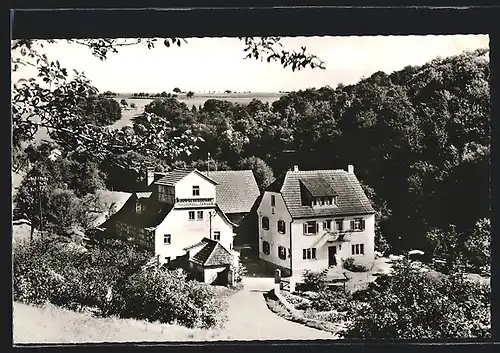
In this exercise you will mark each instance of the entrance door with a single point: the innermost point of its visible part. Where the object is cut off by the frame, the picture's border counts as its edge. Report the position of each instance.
(332, 260)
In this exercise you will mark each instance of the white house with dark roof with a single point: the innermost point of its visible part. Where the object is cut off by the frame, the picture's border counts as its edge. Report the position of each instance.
(315, 219)
(179, 209)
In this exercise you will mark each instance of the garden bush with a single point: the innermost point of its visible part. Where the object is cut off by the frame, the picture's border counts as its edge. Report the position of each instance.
(168, 297)
(354, 265)
(313, 281)
(331, 300)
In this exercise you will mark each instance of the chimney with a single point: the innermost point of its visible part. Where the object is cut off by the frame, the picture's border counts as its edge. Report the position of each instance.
(350, 169)
(295, 168)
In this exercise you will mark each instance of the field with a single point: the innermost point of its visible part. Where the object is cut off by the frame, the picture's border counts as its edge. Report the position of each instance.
(197, 100)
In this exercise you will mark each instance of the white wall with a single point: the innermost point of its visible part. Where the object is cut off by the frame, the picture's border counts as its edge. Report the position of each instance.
(272, 236)
(210, 274)
(301, 241)
(185, 232)
(184, 188)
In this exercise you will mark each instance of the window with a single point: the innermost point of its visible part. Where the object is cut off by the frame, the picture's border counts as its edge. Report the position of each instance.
(266, 248)
(199, 215)
(339, 224)
(273, 200)
(196, 190)
(327, 224)
(282, 252)
(328, 200)
(281, 227)
(311, 228)
(167, 259)
(217, 235)
(166, 239)
(265, 223)
(138, 207)
(191, 215)
(358, 249)
(162, 193)
(309, 254)
(358, 224)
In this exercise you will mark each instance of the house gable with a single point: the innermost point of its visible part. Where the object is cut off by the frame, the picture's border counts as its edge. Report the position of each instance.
(298, 186)
(176, 175)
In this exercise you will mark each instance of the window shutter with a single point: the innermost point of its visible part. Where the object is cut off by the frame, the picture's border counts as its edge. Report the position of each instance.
(284, 227)
(317, 227)
(324, 225)
(362, 224)
(313, 253)
(305, 228)
(352, 224)
(304, 254)
(289, 253)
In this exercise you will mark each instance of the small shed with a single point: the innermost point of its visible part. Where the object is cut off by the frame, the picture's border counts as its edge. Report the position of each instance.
(210, 261)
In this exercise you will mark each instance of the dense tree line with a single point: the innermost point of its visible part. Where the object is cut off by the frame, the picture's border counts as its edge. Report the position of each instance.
(419, 139)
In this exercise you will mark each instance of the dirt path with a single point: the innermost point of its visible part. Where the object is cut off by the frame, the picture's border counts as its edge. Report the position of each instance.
(250, 319)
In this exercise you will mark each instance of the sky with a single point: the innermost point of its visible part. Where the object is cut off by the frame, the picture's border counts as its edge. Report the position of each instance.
(218, 64)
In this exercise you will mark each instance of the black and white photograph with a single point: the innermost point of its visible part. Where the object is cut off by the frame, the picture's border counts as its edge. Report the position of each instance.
(203, 189)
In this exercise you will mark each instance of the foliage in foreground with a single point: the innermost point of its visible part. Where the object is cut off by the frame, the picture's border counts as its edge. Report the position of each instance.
(410, 304)
(77, 277)
(168, 297)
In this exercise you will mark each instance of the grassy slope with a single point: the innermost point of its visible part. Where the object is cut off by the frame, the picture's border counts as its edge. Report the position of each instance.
(51, 324)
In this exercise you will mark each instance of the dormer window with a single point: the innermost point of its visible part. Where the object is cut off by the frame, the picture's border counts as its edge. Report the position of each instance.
(196, 190)
(323, 201)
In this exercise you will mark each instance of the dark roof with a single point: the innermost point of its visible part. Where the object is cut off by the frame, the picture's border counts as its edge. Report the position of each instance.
(174, 176)
(212, 254)
(236, 191)
(317, 185)
(153, 214)
(351, 198)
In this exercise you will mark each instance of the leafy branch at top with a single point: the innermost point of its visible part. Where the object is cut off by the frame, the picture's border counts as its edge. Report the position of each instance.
(56, 103)
(271, 49)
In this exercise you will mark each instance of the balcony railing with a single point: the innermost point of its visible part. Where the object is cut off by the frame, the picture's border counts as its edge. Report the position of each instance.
(338, 236)
(194, 201)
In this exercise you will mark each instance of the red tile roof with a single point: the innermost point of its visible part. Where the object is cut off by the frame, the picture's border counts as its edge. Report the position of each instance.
(351, 198)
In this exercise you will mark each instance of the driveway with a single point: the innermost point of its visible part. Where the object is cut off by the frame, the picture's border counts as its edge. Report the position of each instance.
(250, 318)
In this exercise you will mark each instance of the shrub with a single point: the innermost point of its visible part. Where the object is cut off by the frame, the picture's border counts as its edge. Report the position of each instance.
(239, 271)
(314, 281)
(354, 265)
(167, 296)
(331, 300)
